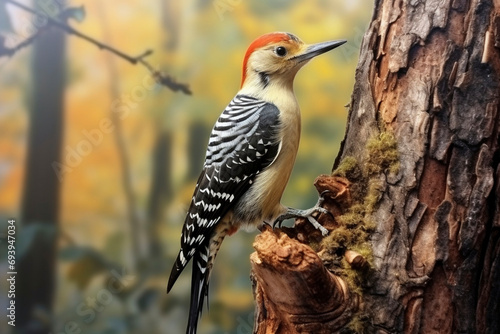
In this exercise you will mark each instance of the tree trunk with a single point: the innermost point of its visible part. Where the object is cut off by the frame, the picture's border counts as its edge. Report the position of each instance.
(41, 195)
(421, 154)
(160, 189)
(139, 248)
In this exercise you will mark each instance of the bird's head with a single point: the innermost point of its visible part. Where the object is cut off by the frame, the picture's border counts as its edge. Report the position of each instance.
(276, 57)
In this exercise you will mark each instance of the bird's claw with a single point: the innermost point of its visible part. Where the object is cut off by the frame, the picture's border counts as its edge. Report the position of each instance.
(317, 225)
(321, 198)
(306, 214)
(263, 226)
(278, 222)
(322, 210)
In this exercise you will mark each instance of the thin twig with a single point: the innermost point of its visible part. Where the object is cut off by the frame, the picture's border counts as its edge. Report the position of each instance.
(121, 146)
(160, 77)
(11, 51)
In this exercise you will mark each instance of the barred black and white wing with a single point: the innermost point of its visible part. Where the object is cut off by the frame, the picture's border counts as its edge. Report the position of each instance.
(244, 141)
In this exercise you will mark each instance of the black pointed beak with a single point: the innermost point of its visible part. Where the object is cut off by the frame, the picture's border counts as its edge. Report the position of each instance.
(317, 49)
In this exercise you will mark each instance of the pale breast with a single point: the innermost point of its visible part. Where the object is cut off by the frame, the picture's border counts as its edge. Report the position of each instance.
(262, 200)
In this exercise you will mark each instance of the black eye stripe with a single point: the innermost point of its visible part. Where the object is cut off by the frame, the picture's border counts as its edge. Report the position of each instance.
(280, 51)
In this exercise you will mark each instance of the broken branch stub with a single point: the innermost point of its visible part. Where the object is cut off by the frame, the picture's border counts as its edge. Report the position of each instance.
(294, 292)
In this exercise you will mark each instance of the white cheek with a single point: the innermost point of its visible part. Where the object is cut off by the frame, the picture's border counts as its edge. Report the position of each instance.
(264, 61)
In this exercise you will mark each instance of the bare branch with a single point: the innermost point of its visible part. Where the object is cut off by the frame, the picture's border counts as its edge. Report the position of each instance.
(159, 76)
(9, 52)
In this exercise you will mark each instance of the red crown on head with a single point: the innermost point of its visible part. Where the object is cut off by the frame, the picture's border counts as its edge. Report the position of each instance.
(270, 38)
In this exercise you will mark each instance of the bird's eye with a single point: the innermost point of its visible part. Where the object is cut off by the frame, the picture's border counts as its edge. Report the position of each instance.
(280, 51)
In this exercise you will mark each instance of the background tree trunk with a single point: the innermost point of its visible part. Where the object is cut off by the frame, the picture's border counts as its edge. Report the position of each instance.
(138, 245)
(427, 85)
(160, 190)
(41, 195)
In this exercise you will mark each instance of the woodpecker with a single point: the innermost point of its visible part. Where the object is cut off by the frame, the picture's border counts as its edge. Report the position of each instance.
(249, 159)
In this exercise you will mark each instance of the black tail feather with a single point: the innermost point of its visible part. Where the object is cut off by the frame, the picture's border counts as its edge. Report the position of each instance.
(199, 288)
(203, 260)
(177, 269)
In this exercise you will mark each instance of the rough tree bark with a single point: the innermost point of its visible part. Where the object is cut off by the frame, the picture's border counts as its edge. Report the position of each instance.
(421, 156)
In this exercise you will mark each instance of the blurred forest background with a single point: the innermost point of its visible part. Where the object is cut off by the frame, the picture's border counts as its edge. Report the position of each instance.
(98, 163)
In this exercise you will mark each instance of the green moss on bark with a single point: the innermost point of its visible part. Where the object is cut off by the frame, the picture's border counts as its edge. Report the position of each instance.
(356, 224)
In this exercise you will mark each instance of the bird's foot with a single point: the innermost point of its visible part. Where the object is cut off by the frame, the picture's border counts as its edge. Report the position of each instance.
(264, 226)
(306, 214)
